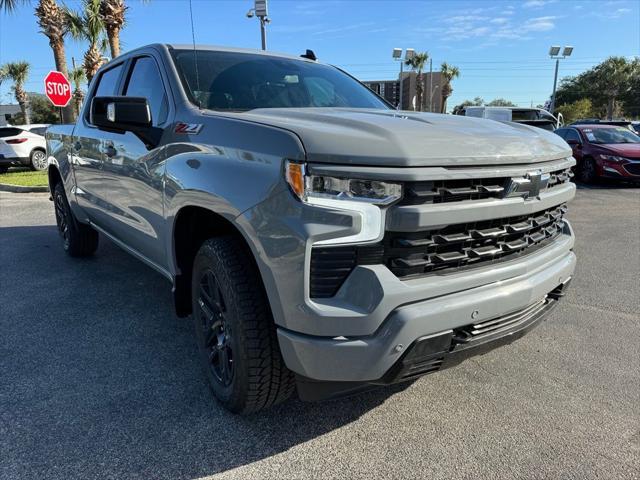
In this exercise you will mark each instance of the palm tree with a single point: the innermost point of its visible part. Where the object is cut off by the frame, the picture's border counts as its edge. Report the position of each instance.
(88, 25)
(417, 63)
(112, 13)
(18, 72)
(53, 24)
(447, 73)
(77, 77)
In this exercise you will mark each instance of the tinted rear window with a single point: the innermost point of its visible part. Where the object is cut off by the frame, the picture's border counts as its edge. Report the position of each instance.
(9, 132)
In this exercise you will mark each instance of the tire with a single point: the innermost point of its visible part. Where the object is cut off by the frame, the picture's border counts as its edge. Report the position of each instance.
(38, 159)
(78, 239)
(3, 169)
(588, 172)
(235, 332)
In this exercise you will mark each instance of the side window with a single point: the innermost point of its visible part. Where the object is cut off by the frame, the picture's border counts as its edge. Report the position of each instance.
(145, 81)
(108, 82)
(39, 131)
(561, 132)
(321, 92)
(572, 135)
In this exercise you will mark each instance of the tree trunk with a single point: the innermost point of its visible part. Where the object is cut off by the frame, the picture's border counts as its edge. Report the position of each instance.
(78, 97)
(92, 62)
(443, 108)
(23, 101)
(610, 106)
(57, 45)
(113, 33)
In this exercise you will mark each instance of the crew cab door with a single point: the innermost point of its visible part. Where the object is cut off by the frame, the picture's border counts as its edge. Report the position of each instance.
(87, 147)
(132, 172)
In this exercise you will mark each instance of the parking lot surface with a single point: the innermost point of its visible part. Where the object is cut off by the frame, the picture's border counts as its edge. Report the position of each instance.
(99, 379)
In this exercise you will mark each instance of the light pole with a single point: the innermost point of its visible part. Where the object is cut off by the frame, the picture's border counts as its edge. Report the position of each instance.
(433, 90)
(260, 11)
(397, 56)
(554, 53)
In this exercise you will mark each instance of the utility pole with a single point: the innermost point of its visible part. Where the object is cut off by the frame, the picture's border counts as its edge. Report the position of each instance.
(260, 11)
(554, 53)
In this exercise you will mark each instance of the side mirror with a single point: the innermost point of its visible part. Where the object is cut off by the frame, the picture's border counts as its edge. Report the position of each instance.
(573, 143)
(125, 114)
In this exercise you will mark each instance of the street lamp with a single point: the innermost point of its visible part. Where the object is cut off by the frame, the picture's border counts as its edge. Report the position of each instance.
(554, 53)
(260, 11)
(433, 90)
(397, 56)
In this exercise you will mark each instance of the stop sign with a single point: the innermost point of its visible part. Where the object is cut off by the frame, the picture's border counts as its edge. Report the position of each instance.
(57, 88)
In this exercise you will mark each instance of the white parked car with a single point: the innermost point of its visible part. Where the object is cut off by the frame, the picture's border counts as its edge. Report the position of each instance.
(23, 145)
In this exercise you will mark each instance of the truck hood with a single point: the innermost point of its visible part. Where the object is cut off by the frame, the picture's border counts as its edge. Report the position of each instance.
(409, 139)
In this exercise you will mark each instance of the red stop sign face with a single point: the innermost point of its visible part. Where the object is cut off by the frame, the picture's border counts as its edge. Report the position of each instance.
(57, 88)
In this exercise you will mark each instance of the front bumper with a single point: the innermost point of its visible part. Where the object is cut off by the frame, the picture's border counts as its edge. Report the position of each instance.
(370, 358)
(439, 351)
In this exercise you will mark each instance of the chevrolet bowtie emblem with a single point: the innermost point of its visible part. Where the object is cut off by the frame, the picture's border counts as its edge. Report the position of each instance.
(527, 187)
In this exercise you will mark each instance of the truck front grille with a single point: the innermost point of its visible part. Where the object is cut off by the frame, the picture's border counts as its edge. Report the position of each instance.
(444, 191)
(456, 246)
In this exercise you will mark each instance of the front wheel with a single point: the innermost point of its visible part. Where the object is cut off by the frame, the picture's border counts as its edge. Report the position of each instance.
(234, 329)
(78, 240)
(588, 172)
(38, 160)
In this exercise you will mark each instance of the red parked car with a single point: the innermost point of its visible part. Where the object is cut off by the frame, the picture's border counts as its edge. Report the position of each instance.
(603, 151)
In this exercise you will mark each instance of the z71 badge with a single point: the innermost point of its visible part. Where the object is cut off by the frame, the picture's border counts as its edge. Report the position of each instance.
(188, 128)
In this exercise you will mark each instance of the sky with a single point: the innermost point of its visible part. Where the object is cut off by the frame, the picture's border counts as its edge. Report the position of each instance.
(499, 46)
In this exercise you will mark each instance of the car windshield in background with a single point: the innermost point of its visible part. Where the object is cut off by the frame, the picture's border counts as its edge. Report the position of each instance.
(243, 81)
(611, 135)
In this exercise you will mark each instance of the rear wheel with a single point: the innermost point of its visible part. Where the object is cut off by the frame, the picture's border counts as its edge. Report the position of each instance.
(3, 169)
(38, 160)
(234, 329)
(78, 239)
(588, 173)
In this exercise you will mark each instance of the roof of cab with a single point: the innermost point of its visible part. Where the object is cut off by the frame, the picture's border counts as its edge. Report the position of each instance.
(218, 48)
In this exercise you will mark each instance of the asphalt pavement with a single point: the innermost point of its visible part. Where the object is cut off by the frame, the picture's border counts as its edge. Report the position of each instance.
(99, 379)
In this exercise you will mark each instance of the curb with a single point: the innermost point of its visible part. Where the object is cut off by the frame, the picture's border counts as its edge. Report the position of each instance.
(4, 187)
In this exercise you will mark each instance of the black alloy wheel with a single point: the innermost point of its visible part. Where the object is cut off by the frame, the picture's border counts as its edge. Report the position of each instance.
(216, 330)
(62, 218)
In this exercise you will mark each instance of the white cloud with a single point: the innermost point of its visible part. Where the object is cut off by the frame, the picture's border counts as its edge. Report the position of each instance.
(536, 3)
(500, 20)
(539, 24)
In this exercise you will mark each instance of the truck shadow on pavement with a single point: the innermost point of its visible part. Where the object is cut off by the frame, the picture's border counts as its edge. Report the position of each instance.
(100, 379)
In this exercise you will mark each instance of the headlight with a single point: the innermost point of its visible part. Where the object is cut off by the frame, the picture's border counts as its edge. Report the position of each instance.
(612, 158)
(309, 187)
(364, 198)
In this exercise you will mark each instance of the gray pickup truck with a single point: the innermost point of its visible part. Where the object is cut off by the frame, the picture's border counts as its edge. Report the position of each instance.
(321, 240)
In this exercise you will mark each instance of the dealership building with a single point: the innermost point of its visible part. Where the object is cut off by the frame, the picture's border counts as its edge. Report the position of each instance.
(390, 91)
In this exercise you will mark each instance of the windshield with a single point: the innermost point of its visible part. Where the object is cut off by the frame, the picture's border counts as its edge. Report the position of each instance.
(611, 135)
(244, 81)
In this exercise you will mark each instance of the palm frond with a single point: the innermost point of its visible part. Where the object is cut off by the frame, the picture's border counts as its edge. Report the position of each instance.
(18, 71)
(9, 6)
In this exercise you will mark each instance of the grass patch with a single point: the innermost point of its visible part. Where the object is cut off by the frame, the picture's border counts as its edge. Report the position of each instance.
(24, 178)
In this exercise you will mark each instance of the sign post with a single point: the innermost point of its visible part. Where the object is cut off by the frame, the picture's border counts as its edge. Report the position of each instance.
(57, 89)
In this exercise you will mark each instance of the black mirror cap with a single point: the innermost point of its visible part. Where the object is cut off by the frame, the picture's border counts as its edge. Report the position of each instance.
(120, 113)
